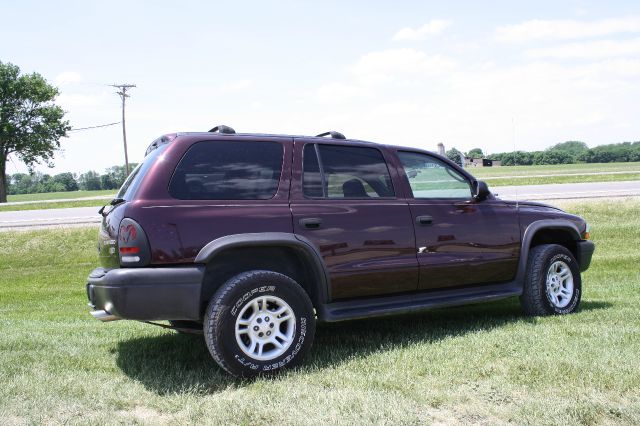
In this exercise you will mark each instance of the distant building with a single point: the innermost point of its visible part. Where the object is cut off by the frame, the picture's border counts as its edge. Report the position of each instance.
(441, 148)
(481, 162)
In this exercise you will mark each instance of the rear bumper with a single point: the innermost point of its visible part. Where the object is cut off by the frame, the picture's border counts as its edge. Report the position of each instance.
(146, 294)
(585, 251)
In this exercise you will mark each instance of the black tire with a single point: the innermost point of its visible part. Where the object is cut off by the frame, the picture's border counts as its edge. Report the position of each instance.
(185, 327)
(537, 298)
(235, 301)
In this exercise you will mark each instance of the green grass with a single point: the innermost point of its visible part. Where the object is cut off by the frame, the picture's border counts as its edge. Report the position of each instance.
(59, 195)
(503, 176)
(478, 364)
(57, 205)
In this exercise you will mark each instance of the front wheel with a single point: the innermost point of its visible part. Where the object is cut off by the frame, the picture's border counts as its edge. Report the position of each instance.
(552, 284)
(259, 322)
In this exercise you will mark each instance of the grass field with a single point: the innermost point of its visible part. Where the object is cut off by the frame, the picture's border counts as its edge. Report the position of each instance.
(541, 175)
(57, 205)
(480, 364)
(59, 195)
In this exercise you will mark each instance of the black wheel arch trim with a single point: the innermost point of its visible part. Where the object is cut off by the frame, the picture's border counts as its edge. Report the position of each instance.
(273, 239)
(531, 231)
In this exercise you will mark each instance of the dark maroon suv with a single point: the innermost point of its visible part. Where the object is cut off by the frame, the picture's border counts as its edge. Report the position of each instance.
(253, 238)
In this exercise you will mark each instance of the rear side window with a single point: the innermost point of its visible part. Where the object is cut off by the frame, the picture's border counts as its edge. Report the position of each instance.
(131, 184)
(337, 171)
(228, 170)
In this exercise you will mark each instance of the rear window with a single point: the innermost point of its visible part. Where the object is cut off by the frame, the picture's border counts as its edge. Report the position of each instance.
(228, 170)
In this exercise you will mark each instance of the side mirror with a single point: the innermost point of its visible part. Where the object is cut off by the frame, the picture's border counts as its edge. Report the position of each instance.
(481, 190)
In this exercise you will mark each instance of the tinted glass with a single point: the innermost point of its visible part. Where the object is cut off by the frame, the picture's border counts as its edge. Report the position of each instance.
(431, 178)
(131, 184)
(228, 170)
(346, 172)
(312, 181)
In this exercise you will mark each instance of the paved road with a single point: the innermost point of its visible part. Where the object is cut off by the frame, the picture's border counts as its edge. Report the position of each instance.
(89, 215)
(48, 218)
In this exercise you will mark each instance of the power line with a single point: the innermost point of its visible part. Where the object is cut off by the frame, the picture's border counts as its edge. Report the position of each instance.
(123, 95)
(94, 127)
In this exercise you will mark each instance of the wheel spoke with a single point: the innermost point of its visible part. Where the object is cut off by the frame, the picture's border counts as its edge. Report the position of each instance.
(281, 336)
(566, 293)
(257, 327)
(280, 311)
(252, 347)
(277, 343)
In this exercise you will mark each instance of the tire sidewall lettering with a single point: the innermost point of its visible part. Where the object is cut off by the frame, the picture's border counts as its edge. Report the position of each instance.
(292, 352)
(245, 297)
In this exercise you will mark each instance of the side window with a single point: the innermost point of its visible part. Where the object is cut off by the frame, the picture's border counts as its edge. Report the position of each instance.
(228, 170)
(431, 178)
(345, 172)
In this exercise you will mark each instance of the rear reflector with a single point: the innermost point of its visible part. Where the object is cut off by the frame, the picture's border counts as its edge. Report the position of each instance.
(129, 250)
(130, 259)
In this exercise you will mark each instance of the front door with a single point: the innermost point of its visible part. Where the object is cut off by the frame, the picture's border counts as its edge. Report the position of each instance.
(345, 204)
(460, 241)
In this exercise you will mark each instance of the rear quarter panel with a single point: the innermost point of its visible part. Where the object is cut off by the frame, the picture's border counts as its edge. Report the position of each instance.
(178, 229)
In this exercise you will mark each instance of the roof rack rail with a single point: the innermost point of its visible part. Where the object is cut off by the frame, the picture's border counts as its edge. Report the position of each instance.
(223, 129)
(333, 134)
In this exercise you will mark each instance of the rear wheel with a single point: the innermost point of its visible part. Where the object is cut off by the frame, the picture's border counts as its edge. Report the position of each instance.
(552, 284)
(259, 322)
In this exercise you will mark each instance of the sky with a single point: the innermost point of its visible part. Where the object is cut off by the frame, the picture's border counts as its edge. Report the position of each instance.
(498, 75)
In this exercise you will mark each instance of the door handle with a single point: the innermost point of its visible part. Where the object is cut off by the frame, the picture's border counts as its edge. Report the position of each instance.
(311, 222)
(424, 220)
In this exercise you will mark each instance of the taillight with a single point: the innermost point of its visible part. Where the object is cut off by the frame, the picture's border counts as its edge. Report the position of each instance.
(133, 245)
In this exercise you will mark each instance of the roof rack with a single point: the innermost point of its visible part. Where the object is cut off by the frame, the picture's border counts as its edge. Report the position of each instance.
(333, 134)
(223, 129)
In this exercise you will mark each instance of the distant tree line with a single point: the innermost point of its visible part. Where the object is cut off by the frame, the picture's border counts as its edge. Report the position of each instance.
(23, 183)
(569, 152)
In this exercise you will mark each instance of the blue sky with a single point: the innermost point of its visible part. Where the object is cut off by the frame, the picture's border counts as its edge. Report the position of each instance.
(468, 74)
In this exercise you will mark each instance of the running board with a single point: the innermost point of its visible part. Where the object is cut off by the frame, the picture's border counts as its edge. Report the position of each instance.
(406, 303)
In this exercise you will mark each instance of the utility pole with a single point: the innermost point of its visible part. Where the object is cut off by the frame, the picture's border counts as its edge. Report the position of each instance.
(123, 94)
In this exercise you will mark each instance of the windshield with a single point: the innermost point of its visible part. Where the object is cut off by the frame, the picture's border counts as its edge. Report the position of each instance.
(132, 183)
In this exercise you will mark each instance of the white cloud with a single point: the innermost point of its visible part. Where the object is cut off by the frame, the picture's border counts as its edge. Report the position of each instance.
(593, 49)
(433, 27)
(236, 85)
(77, 100)
(68, 77)
(566, 29)
(396, 64)
(339, 92)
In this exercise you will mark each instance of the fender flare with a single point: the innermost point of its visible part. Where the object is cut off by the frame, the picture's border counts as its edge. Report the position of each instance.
(274, 239)
(531, 231)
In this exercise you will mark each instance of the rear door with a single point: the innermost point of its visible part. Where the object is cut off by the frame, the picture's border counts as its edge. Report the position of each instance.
(459, 240)
(343, 200)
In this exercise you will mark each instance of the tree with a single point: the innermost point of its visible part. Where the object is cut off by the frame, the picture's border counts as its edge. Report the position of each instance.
(475, 153)
(455, 156)
(573, 148)
(31, 125)
(89, 181)
(67, 181)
